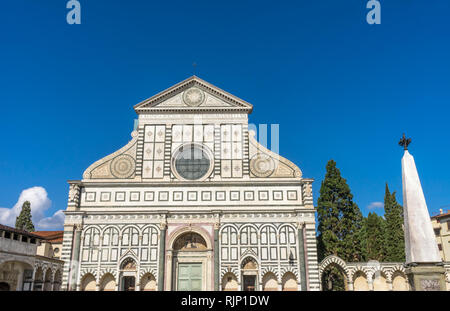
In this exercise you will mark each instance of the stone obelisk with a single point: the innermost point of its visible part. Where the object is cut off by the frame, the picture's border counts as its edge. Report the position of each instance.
(423, 262)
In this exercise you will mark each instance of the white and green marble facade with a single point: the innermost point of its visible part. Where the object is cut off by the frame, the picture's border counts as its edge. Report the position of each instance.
(133, 204)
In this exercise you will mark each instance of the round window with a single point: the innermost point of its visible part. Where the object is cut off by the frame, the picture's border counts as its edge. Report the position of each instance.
(192, 162)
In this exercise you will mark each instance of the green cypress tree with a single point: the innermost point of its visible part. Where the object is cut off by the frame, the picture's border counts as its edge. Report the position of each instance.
(23, 221)
(339, 218)
(374, 237)
(394, 233)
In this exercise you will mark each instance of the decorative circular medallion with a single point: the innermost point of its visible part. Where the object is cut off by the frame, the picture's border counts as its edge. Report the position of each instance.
(193, 97)
(262, 165)
(122, 166)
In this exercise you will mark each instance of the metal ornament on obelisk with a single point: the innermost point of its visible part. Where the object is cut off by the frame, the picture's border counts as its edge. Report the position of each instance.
(423, 261)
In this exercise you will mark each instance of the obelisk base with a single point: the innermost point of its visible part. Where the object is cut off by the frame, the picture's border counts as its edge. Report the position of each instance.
(426, 277)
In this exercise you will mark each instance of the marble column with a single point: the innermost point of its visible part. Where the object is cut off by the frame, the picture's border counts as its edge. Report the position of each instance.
(302, 255)
(162, 256)
(216, 257)
(76, 258)
(423, 261)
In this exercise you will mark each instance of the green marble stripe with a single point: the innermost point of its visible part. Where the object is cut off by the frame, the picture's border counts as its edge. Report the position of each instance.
(216, 260)
(162, 259)
(302, 258)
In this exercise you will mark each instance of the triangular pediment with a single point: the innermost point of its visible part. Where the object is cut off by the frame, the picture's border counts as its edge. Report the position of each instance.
(193, 95)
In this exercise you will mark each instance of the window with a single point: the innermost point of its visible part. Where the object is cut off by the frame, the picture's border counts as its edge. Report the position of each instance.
(448, 225)
(24, 239)
(7, 235)
(192, 162)
(16, 237)
(56, 250)
(437, 231)
(440, 247)
(33, 241)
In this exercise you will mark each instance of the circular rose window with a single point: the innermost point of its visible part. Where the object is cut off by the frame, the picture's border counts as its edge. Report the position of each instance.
(192, 162)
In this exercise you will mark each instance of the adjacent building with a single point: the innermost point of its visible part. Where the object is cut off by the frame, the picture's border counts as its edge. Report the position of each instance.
(192, 202)
(441, 226)
(22, 268)
(51, 243)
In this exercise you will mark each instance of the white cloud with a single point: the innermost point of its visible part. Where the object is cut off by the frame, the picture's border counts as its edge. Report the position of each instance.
(40, 203)
(54, 222)
(375, 205)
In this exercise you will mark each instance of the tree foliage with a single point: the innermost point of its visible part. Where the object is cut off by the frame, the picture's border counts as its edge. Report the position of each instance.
(340, 219)
(373, 239)
(23, 221)
(394, 232)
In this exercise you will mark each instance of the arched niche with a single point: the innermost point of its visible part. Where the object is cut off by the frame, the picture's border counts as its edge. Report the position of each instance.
(399, 281)
(148, 282)
(269, 282)
(289, 282)
(360, 281)
(379, 281)
(190, 241)
(229, 282)
(88, 282)
(108, 283)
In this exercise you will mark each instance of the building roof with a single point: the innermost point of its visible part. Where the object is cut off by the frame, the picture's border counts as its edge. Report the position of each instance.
(443, 215)
(51, 236)
(19, 231)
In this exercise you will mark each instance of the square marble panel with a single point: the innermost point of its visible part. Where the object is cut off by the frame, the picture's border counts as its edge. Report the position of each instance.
(178, 195)
(263, 195)
(187, 133)
(159, 151)
(236, 132)
(160, 133)
(177, 133)
(147, 169)
(163, 196)
(220, 195)
(148, 151)
(192, 195)
(226, 151)
(292, 195)
(120, 196)
(234, 195)
(208, 133)
(90, 196)
(149, 133)
(158, 171)
(225, 132)
(249, 195)
(237, 168)
(198, 133)
(277, 195)
(206, 195)
(236, 150)
(135, 196)
(105, 196)
(226, 168)
(149, 196)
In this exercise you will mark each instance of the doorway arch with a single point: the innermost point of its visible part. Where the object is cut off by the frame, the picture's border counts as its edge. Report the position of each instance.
(128, 272)
(189, 260)
(249, 271)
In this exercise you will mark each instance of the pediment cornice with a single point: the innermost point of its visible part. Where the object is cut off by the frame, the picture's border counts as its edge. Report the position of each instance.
(231, 102)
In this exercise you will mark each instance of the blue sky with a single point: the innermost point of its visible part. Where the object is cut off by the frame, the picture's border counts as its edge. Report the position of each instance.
(339, 88)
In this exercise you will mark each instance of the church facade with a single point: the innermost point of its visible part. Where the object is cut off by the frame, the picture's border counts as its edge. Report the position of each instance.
(192, 202)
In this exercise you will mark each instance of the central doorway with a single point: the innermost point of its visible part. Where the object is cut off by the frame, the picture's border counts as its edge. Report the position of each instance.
(128, 272)
(129, 283)
(249, 270)
(190, 264)
(249, 283)
(189, 276)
